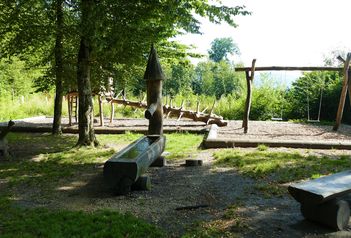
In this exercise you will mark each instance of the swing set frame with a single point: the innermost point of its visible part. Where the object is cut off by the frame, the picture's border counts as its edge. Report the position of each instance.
(346, 87)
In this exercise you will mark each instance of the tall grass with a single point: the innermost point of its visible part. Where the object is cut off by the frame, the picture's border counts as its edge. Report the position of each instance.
(27, 106)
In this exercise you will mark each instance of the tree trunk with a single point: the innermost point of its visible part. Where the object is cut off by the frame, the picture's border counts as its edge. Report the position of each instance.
(85, 111)
(56, 126)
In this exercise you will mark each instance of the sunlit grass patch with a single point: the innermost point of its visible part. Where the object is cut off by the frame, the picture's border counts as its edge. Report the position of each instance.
(276, 168)
(182, 145)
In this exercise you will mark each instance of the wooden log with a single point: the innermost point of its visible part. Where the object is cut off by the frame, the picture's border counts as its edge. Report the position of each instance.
(249, 79)
(343, 93)
(167, 110)
(334, 213)
(289, 68)
(125, 167)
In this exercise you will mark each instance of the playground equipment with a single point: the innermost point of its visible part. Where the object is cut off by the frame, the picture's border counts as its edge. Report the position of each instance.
(321, 199)
(123, 171)
(250, 72)
(3, 142)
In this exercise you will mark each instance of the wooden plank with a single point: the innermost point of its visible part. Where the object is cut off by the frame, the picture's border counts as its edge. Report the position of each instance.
(289, 68)
(343, 93)
(320, 190)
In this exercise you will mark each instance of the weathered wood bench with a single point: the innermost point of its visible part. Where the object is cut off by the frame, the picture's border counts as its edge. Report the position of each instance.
(3, 142)
(123, 171)
(322, 199)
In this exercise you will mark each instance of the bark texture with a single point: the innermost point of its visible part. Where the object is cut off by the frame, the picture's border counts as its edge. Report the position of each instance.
(56, 125)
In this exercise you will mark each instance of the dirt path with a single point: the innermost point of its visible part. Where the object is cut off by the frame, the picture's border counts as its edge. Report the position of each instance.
(176, 186)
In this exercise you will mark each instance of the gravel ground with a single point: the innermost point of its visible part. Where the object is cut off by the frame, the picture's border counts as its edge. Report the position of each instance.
(285, 131)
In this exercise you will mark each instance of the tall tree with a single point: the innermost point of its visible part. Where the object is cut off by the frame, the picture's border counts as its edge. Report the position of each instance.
(56, 127)
(221, 48)
(85, 113)
(121, 31)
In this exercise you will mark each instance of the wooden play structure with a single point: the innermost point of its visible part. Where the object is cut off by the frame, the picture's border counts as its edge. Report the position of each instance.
(168, 109)
(250, 72)
(123, 172)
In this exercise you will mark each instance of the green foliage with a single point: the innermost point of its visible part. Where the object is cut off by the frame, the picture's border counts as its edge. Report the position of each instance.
(217, 79)
(262, 147)
(310, 86)
(16, 78)
(221, 48)
(27, 106)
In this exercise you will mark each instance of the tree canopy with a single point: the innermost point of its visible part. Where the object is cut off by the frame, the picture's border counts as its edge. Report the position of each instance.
(221, 48)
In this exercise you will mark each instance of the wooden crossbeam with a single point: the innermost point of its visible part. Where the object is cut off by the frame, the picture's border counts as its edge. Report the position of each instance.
(289, 68)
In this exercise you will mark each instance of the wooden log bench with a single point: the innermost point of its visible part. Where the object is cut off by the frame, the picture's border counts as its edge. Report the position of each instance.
(322, 199)
(3, 142)
(122, 172)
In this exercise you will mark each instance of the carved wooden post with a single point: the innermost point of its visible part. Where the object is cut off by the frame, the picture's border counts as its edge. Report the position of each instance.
(154, 76)
(343, 93)
(249, 79)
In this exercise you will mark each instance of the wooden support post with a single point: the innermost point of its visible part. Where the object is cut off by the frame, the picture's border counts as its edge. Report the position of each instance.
(101, 113)
(344, 89)
(349, 88)
(180, 110)
(211, 112)
(69, 103)
(249, 79)
(112, 111)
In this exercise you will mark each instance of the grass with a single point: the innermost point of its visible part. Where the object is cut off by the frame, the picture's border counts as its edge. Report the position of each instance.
(182, 145)
(273, 169)
(41, 161)
(41, 222)
(38, 164)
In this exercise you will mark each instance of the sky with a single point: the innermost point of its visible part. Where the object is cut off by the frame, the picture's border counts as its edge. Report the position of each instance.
(282, 32)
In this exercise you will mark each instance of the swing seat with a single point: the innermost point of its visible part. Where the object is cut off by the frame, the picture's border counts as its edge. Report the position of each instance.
(313, 121)
(277, 119)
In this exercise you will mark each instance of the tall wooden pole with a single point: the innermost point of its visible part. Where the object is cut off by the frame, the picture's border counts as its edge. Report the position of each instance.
(249, 79)
(343, 93)
(154, 76)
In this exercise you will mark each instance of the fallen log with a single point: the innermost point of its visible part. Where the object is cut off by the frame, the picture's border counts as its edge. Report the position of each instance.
(170, 110)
